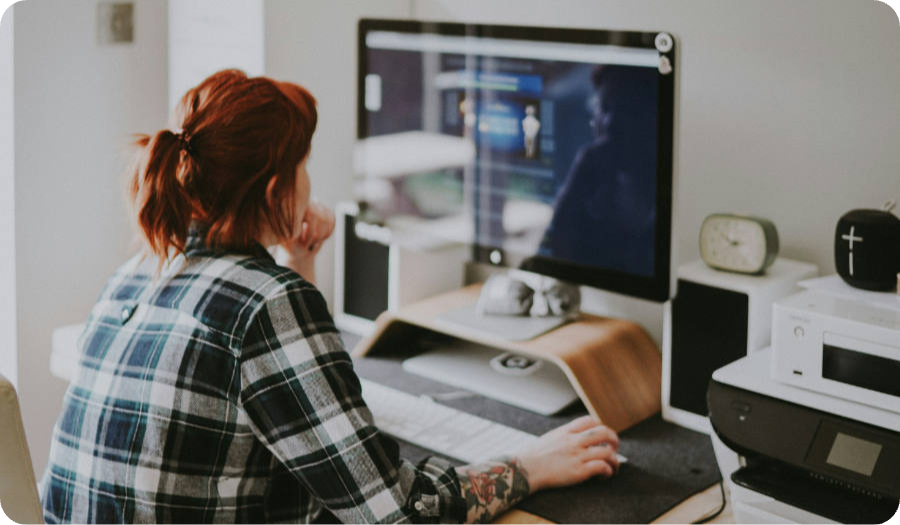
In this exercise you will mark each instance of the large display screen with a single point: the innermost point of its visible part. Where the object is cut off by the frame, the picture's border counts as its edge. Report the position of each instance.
(547, 149)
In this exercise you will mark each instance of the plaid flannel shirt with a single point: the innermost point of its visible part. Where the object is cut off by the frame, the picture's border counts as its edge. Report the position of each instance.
(220, 391)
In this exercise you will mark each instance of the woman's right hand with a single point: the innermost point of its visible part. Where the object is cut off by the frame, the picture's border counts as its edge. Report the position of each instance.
(316, 227)
(570, 454)
(564, 456)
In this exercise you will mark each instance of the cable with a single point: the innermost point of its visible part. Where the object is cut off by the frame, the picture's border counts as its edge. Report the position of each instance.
(716, 513)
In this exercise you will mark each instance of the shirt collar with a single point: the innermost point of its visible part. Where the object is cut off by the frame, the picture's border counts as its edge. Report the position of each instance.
(196, 244)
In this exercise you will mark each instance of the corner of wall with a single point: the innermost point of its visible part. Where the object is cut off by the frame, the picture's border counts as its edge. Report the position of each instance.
(8, 343)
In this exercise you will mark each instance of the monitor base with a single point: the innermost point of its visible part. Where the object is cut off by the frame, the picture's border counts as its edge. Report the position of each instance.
(523, 381)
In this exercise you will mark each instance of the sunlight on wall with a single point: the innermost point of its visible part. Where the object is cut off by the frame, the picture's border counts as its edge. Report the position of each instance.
(203, 41)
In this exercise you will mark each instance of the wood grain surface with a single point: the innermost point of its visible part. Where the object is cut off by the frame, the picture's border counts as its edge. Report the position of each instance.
(613, 364)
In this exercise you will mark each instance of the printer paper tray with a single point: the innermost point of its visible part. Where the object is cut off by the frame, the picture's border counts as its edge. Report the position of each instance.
(817, 494)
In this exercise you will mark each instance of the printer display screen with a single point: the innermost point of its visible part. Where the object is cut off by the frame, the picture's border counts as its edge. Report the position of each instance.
(860, 454)
(854, 454)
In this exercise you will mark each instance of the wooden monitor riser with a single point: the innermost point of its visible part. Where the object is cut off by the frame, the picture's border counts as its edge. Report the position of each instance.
(613, 364)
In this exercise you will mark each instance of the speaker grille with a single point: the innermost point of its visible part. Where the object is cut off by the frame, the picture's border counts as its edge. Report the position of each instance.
(709, 330)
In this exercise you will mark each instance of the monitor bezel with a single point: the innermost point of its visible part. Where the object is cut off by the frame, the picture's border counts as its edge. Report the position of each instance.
(657, 287)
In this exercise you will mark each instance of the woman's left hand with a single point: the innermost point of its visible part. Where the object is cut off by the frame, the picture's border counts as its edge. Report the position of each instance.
(316, 227)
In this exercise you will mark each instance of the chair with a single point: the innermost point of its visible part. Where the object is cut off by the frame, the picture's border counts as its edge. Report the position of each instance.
(18, 490)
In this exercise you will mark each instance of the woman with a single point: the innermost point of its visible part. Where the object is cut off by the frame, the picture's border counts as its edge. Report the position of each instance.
(213, 385)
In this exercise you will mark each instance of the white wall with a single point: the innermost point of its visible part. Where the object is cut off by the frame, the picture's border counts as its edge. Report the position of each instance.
(314, 44)
(77, 104)
(788, 109)
(8, 358)
(206, 36)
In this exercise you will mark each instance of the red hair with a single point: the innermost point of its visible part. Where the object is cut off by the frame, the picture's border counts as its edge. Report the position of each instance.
(237, 134)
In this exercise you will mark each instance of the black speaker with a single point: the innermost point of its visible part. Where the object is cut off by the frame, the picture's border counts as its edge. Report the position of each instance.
(867, 249)
(709, 330)
(374, 273)
(716, 318)
(365, 293)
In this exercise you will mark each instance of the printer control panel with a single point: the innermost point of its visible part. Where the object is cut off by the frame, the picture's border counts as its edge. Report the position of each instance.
(853, 450)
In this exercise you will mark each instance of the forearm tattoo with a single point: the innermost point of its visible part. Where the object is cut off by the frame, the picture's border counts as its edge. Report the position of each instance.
(491, 488)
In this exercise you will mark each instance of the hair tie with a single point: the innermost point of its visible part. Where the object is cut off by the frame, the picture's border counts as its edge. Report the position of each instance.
(184, 140)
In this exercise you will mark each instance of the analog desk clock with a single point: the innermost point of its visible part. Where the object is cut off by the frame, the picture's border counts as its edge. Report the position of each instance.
(737, 243)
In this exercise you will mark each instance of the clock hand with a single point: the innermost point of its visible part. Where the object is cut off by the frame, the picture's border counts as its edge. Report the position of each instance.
(728, 238)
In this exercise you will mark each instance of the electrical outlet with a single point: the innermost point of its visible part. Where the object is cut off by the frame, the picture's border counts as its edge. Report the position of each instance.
(115, 22)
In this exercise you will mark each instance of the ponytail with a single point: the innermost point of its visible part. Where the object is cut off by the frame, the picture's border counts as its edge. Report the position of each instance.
(162, 202)
(244, 137)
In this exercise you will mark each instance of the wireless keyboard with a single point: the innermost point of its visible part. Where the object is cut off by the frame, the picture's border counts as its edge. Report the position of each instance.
(447, 431)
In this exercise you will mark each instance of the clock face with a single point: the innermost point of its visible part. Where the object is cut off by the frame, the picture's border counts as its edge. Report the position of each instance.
(734, 243)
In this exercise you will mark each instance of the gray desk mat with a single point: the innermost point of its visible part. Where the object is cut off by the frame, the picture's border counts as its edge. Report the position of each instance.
(667, 463)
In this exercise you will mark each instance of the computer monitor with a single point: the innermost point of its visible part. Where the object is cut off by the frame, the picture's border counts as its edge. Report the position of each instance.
(546, 149)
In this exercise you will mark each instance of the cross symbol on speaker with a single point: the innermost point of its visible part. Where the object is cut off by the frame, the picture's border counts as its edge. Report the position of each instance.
(851, 238)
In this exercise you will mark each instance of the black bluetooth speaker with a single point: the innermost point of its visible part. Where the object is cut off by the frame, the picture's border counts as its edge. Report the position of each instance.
(867, 249)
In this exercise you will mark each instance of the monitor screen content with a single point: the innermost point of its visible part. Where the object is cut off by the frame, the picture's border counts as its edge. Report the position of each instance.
(546, 149)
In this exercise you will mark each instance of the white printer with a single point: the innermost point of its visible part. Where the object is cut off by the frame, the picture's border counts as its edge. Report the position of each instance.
(793, 455)
(839, 341)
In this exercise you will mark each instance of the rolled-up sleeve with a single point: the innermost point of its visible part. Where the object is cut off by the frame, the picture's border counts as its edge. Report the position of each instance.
(304, 402)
